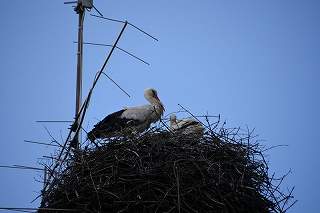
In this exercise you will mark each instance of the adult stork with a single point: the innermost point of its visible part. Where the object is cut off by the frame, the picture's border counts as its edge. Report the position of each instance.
(185, 126)
(130, 119)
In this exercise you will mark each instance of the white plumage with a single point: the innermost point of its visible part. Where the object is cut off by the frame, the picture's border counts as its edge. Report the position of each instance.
(185, 126)
(130, 119)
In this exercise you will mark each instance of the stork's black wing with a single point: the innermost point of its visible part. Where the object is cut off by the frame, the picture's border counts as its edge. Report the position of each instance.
(110, 124)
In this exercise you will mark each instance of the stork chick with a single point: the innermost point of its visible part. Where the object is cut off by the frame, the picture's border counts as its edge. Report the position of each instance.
(185, 126)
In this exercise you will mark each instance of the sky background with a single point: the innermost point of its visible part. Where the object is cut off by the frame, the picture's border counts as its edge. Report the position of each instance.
(254, 62)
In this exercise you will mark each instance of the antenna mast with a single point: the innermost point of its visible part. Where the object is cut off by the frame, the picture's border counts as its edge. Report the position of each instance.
(82, 5)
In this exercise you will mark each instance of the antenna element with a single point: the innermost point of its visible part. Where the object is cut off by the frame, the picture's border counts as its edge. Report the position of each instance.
(80, 9)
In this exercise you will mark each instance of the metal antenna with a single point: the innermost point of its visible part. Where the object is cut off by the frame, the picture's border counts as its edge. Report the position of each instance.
(80, 9)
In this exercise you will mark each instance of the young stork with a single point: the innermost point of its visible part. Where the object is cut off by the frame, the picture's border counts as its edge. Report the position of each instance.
(185, 126)
(130, 119)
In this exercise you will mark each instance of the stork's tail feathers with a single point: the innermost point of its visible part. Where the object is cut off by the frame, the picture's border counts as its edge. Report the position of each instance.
(92, 135)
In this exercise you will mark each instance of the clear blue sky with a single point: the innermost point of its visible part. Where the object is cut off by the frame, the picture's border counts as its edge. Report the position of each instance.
(256, 63)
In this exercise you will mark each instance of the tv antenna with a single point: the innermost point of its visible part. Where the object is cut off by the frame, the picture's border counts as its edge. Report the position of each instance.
(80, 8)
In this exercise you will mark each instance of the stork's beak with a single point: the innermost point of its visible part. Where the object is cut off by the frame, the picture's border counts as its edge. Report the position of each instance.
(156, 97)
(161, 105)
(164, 109)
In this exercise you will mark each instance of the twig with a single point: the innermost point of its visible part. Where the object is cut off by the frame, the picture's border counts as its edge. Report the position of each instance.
(21, 167)
(35, 142)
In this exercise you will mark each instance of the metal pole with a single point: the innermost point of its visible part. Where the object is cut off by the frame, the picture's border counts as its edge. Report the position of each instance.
(80, 10)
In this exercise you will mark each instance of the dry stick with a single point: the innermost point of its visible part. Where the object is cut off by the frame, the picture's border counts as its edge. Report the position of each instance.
(87, 138)
(186, 204)
(215, 126)
(27, 167)
(280, 182)
(290, 206)
(44, 184)
(165, 125)
(48, 169)
(31, 209)
(275, 199)
(236, 133)
(287, 198)
(18, 210)
(50, 157)
(21, 167)
(248, 141)
(209, 124)
(52, 138)
(61, 137)
(213, 200)
(41, 143)
(70, 2)
(272, 147)
(95, 189)
(204, 116)
(53, 121)
(83, 108)
(176, 173)
(164, 197)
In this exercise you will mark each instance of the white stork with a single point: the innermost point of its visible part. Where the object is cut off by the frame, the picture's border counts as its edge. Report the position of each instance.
(129, 119)
(185, 126)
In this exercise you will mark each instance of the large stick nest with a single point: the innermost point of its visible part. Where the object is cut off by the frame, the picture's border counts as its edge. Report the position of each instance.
(161, 171)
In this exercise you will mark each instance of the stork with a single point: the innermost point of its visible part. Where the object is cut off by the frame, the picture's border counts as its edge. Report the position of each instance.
(185, 126)
(130, 119)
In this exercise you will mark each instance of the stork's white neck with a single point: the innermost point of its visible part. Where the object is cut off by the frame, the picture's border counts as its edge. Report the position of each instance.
(151, 96)
(156, 104)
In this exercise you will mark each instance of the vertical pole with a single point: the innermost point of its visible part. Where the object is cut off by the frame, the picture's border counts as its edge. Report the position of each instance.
(80, 10)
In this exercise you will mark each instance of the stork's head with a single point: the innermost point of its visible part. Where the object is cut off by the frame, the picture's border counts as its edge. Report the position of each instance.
(152, 96)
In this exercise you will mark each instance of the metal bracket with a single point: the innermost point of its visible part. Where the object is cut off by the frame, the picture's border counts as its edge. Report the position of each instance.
(86, 3)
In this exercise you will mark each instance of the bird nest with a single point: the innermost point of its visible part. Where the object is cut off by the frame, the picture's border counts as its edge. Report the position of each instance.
(160, 171)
